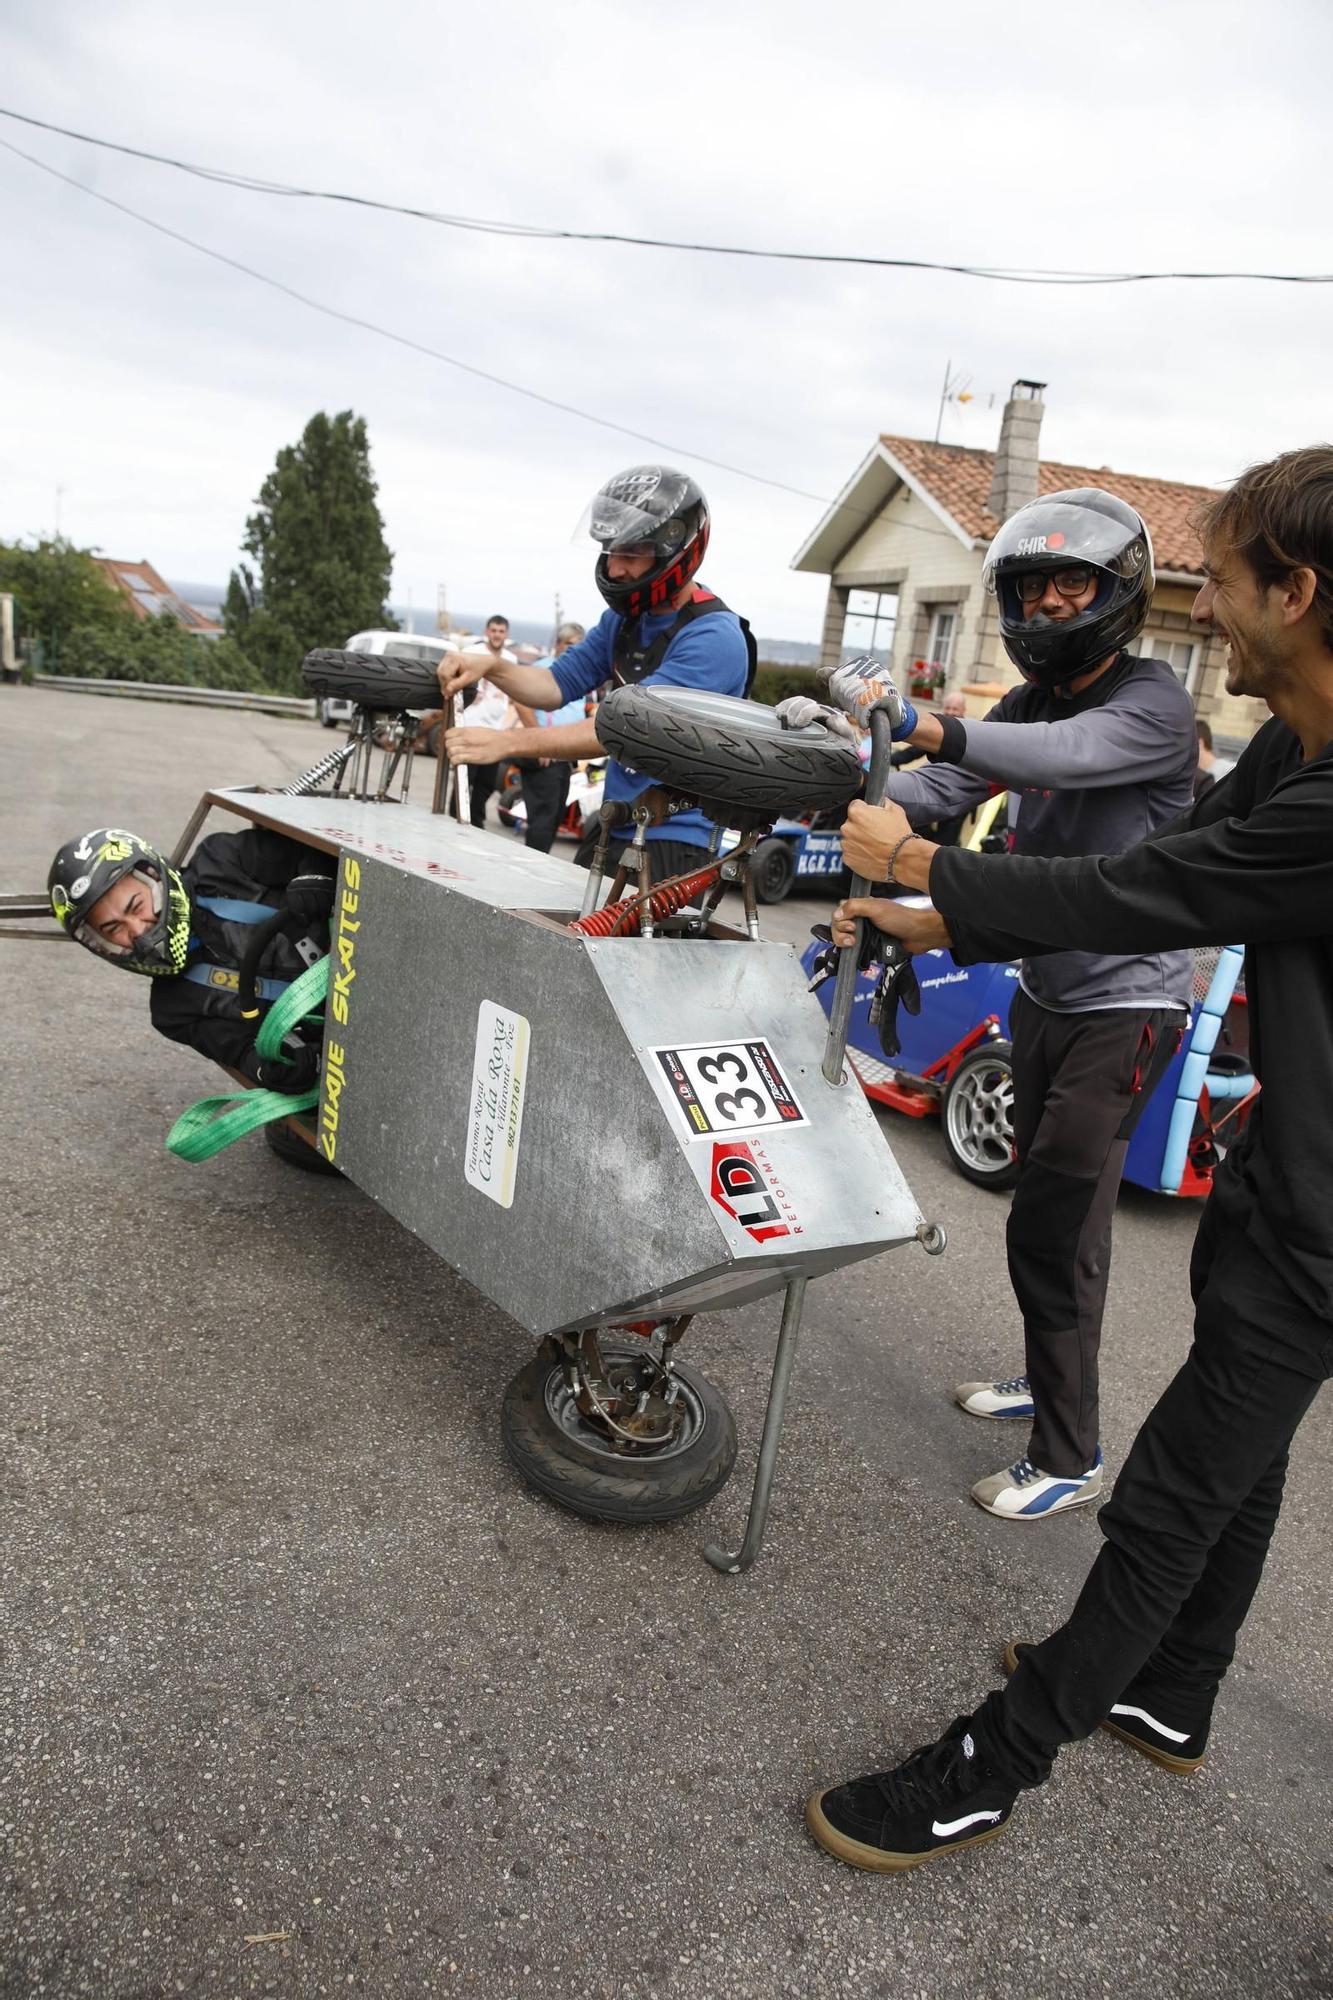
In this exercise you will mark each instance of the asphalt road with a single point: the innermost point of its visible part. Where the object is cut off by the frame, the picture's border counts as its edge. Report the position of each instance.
(304, 1694)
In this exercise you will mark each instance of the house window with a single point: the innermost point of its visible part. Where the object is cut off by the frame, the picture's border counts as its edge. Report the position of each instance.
(1181, 655)
(869, 622)
(939, 646)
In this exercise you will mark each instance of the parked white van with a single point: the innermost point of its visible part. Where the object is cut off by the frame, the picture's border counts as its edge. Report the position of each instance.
(418, 646)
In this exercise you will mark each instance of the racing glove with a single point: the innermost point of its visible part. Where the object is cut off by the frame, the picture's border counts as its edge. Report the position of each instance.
(310, 898)
(859, 684)
(296, 1070)
(798, 711)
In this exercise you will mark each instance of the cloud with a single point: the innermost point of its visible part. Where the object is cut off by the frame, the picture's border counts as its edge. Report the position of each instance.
(156, 387)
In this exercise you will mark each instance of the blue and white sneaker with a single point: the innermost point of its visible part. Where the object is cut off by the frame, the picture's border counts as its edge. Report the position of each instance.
(996, 1399)
(1023, 1492)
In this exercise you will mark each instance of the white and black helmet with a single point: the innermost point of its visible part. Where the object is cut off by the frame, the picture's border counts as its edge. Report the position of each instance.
(1081, 528)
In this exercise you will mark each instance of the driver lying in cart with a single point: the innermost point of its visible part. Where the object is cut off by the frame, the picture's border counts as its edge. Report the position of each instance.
(189, 929)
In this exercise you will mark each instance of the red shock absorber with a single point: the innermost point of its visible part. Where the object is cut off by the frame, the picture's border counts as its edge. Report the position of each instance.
(625, 919)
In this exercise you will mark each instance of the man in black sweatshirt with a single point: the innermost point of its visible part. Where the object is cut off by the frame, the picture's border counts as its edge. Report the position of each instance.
(1188, 1525)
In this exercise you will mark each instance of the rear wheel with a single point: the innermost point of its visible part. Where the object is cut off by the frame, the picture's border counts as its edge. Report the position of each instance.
(292, 1148)
(774, 870)
(978, 1117)
(558, 1451)
(371, 680)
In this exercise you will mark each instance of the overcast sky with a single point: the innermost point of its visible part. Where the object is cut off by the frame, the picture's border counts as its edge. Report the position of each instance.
(154, 386)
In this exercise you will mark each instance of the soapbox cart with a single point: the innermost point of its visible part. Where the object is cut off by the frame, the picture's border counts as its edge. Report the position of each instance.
(610, 1116)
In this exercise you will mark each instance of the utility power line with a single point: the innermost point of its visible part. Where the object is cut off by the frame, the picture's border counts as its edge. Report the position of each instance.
(993, 273)
(435, 354)
(403, 340)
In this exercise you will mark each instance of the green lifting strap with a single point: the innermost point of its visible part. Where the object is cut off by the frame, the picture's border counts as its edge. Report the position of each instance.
(302, 997)
(215, 1122)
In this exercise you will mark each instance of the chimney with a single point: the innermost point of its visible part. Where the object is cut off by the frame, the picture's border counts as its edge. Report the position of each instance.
(1014, 481)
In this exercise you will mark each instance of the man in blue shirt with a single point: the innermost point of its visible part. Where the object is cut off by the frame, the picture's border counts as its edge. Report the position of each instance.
(660, 627)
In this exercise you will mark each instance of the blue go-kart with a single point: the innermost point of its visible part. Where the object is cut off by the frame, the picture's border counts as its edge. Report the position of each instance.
(955, 1060)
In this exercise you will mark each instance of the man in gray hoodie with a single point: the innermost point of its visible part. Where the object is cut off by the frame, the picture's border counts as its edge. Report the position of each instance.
(1099, 749)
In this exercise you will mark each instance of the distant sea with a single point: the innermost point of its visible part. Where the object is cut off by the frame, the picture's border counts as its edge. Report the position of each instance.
(207, 597)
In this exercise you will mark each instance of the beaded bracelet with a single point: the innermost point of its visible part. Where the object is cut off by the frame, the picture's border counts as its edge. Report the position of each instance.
(893, 853)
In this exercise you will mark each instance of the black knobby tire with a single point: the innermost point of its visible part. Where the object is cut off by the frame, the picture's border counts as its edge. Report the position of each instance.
(289, 1146)
(977, 1117)
(730, 754)
(774, 868)
(372, 680)
(579, 1470)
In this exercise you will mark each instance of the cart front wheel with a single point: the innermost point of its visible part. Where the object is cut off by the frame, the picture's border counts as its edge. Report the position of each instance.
(978, 1117)
(574, 1464)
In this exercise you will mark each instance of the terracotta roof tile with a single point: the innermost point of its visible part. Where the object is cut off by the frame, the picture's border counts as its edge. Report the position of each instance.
(959, 476)
(149, 593)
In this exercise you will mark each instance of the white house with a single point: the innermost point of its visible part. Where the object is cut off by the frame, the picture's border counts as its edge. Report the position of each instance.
(903, 545)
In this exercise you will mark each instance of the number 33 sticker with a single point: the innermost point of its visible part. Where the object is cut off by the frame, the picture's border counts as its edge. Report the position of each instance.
(729, 1087)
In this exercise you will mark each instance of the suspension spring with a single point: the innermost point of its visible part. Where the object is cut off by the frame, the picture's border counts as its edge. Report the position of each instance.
(325, 768)
(624, 919)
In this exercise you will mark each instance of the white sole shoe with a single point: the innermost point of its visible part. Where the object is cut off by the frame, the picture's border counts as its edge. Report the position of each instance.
(996, 1399)
(1023, 1492)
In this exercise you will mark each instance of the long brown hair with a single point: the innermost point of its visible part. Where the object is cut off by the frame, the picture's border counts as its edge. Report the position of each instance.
(1278, 517)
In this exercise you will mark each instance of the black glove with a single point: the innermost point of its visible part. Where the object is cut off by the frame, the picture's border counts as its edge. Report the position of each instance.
(299, 1073)
(896, 986)
(825, 964)
(309, 898)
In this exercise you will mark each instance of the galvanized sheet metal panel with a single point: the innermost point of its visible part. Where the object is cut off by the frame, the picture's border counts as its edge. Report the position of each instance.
(617, 1212)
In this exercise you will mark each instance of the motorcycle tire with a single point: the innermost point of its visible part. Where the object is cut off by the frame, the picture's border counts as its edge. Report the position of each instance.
(580, 1470)
(730, 755)
(289, 1147)
(371, 680)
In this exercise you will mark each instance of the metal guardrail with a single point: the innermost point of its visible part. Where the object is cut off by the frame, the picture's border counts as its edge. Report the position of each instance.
(265, 704)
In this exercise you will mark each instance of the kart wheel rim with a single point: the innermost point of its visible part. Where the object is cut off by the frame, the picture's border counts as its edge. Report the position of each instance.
(980, 1117)
(565, 1414)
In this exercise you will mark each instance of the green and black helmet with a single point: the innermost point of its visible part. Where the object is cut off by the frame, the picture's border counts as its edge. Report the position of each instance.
(83, 872)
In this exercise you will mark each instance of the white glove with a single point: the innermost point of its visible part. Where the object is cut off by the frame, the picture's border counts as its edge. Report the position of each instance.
(862, 684)
(798, 711)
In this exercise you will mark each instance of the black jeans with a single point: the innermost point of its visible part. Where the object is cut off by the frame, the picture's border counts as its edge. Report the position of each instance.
(1081, 1082)
(482, 781)
(545, 792)
(1189, 1523)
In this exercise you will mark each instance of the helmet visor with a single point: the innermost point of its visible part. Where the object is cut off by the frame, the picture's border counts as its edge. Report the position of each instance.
(1058, 535)
(623, 524)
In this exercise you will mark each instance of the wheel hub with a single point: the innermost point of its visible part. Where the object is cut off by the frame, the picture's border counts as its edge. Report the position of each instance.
(981, 1118)
(623, 1403)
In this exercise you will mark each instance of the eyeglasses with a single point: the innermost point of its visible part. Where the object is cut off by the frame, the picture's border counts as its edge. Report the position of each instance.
(1069, 582)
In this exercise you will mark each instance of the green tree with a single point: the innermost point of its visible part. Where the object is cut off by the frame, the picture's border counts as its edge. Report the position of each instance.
(60, 589)
(156, 649)
(317, 543)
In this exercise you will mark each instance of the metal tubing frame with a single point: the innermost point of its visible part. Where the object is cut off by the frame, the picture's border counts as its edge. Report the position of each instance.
(783, 1363)
(844, 992)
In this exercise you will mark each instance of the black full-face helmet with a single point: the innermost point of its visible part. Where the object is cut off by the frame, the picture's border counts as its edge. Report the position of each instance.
(653, 504)
(1081, 528)
(85, 869)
